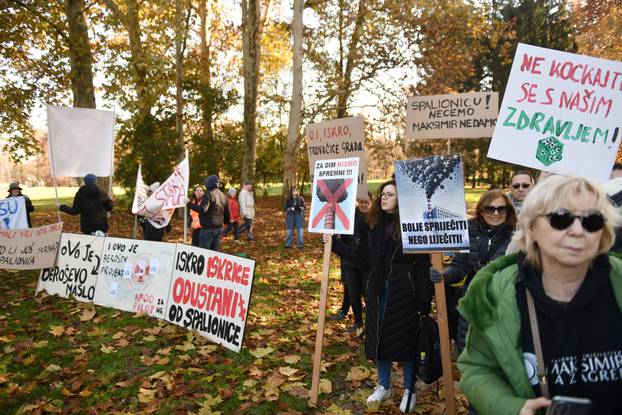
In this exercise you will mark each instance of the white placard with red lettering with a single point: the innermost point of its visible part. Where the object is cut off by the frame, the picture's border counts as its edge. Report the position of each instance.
(210, 293)
(561, 113)
(333, 196)
(29, 248)
(135, 275)
(337, 139)
(76, 269)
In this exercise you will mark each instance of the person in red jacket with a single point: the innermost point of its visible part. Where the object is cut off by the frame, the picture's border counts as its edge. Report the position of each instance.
(234, 215)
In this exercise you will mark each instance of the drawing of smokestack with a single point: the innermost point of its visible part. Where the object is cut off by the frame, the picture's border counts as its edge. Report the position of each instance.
(332, 185)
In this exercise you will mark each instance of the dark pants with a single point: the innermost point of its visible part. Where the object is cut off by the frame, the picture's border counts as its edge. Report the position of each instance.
(353, 291)
(234, 226)
(209, 238)
(195, 236)
(248, 223)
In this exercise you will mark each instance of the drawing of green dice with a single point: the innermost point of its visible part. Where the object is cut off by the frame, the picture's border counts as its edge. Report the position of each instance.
(550, 150)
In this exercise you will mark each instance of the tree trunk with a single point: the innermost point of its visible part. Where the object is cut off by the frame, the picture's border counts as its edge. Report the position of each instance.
(179, 126)
(345, 87)
(80, 55)
(290, 158)
(205, 79)
(251, 36)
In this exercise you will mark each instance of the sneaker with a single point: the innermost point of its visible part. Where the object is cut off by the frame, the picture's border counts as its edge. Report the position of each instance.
(338, 317)
(353, 329)
(411, 407)
(379, 394)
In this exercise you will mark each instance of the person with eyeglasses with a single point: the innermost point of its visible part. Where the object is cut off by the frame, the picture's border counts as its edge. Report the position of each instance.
(490, 232)
(398, 294)
(520, 185)
(563, 268)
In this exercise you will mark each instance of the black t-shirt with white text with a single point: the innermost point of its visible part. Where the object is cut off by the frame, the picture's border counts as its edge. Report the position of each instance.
(588, 329)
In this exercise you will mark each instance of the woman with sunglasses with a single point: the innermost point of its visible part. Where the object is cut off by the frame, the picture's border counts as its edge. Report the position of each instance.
(565, 229)
(490, 232)
(398, 292)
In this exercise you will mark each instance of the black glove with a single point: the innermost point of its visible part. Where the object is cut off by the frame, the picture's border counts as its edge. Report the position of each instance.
(435, 276)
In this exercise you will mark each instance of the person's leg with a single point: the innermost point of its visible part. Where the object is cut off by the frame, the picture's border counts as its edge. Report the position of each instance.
(345, 305)
(355, 291)
(250, 229)
(288, 237)
(300, 241)
(216, 240)
(204, 239)
(227, 229)
(408, 368)
(384, 373)
(409, 398)
(236, 231)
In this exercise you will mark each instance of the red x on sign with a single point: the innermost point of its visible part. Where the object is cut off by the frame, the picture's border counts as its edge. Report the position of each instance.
(331, 200)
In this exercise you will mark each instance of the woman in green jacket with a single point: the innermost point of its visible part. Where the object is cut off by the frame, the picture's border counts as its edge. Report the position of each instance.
(564, 232)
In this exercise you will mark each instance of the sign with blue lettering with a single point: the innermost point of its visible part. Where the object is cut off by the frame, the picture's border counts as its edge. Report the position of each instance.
(13, 213)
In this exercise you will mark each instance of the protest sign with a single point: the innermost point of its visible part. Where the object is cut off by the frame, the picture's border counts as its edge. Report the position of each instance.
(33, 248)
(561, 113)
(135, 275)
(140, 194)
(13, 213)
(337, 139)
(431, 203)
(333, 197)
(469, 115)
(171, 194)
(76, 269)
(80, 141)
(210, 292)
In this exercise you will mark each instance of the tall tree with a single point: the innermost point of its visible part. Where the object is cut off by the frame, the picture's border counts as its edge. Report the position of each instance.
(80, 55)
(294, 137)
(251, 54)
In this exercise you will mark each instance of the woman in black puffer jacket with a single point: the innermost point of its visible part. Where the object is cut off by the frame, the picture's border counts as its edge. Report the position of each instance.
(398, 293)
(490, 232)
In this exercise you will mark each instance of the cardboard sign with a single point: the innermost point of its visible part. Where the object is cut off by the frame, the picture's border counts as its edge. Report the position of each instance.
(337, 139)
(470, 115)
(333, 197)
(431, 202)
(13, 213)
(135, 275)
(210, 292)
(80, 141)
(76, 269)
(171, 194)
(33, 248)
(561, 113)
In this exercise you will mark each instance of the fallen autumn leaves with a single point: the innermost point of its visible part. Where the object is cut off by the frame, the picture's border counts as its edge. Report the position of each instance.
(61, 356)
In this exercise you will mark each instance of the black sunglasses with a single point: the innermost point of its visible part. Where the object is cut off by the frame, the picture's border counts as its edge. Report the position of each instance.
(561, 219)
(501, 210)
(523, 185)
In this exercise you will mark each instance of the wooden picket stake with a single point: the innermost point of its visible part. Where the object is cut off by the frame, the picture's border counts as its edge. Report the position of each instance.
(319, 336)
(443, 329)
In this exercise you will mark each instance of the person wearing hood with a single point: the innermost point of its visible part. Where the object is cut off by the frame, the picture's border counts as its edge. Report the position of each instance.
(490, 232)
(213, 214)
(150, 232)
(398, 294)
(246, 200)
(15, 191)
(92, 204)
(574, 287)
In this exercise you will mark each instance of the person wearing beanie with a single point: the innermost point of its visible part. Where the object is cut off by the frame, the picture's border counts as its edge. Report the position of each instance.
(16, 191)
(234, 215)
(213, 214)
(92, 204)
(247, 208)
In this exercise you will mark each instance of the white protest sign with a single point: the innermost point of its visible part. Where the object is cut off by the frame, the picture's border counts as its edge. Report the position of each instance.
(561, 113)
(333, 197)
(33, 248)
(13, 213)
(135, 275)
(431, 204)
(171, 194)
(140, 195)
(210, 292)
(80, 141)
(76, 269)
(337, 139)
(468, 115)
